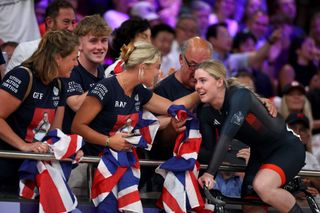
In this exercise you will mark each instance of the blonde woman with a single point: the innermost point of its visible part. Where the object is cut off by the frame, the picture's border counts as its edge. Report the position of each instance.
(234, 112)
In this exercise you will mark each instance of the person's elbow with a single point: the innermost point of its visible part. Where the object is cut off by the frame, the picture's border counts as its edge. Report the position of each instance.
(76, 126)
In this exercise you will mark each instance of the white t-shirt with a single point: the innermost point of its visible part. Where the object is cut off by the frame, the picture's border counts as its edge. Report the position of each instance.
(22, 52)
(18, 21)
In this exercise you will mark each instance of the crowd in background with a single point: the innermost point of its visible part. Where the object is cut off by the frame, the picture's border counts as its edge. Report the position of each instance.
(273, 47)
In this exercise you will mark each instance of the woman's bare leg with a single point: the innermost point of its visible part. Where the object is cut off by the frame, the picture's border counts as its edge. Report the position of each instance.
(267, 185)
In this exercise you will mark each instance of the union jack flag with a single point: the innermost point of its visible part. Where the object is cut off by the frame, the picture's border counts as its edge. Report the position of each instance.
(115, 184)
(180, 190)
(49, 178)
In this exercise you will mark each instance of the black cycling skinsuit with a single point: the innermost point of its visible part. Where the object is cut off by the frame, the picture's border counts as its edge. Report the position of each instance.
(244, 117)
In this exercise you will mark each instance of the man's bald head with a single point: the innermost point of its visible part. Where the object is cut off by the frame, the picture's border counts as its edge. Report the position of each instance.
(193, 51)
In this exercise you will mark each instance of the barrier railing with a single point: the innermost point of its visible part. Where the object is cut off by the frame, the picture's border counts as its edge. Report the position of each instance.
(143, 162)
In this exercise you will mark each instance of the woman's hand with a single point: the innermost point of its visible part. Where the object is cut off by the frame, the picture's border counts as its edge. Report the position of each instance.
(37, 147)
(312, 191)
(79, 155)
(178, 125)
(118, 142)
(207, 180)
(245, 154)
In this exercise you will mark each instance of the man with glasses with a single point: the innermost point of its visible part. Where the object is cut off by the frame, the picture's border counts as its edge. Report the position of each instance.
(181, 83)
(59, 15)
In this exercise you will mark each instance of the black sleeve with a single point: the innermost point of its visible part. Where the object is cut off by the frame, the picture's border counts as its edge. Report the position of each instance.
(16, 82)
(209, 135)
(102, 91)
(144, 93)
(238, 105)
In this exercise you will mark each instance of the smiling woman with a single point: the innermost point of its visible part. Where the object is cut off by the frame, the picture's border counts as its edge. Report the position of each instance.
(238, 114)
(23, 113)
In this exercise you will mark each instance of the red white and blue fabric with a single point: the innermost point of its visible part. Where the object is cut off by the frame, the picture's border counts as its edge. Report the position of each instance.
(115, 185)
(180, 190)
(49, 178)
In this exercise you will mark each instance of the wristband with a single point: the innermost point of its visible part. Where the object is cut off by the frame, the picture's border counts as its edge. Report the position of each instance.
(108, 141)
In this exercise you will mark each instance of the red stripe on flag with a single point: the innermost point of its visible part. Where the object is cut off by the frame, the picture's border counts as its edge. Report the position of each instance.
(28, 188)
(72, 146)
(170, 201)
(50, 198)
(129, 198)
(189, 146)
(145, 132)
(196, 188)
(102, 185)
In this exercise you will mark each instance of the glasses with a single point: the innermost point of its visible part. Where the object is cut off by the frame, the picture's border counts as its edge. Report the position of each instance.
(190, 65)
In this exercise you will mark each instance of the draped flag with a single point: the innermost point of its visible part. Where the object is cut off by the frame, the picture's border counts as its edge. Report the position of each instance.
(115, 184)
(180, 190)
(49, 178)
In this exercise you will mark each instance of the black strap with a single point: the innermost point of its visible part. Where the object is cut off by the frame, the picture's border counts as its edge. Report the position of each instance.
(30, 83)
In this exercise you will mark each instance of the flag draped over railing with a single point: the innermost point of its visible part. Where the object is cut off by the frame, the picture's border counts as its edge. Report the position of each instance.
(49, 178)
(115, 184)
(180, 190)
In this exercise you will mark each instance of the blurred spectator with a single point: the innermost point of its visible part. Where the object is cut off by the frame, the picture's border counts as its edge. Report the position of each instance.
(251, 7)
(299, 123)
(186, 28)
(145, 10)
(168, 11)
(201, 11)
(315, 28)
(116, 16)
(9, 48)
(221, 41)
(258, 25)
(294, 100)
(18, 21)
(246, 79)
(132, 30)
(314, 97)
(288, 8)
(59, 15)
(245, 42)
(162, 37)
(224, 13)
(301, 65)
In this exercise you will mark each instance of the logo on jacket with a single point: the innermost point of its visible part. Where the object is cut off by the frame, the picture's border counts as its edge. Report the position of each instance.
(237, 118)
(55, 91)
(216, 122)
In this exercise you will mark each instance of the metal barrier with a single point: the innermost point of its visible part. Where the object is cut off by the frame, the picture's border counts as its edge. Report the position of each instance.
(143, 162)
